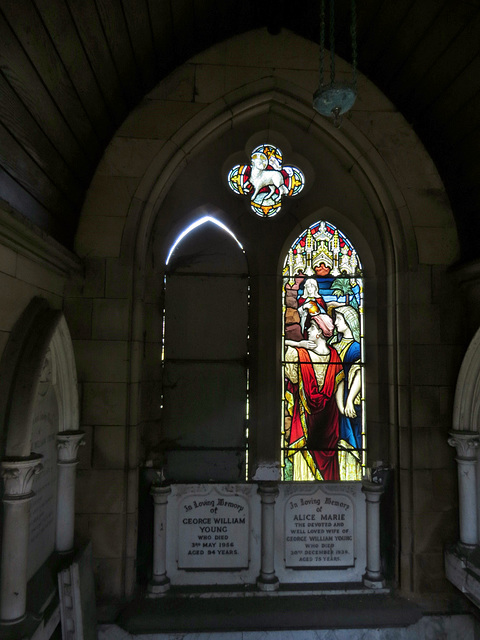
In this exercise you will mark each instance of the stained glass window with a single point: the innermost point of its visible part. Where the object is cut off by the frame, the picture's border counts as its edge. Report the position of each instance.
(323, 433)
(266, 180)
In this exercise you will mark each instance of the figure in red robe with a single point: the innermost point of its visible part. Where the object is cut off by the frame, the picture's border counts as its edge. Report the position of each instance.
(314, 393)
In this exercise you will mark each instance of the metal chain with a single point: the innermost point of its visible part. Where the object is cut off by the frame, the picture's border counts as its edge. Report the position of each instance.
(353, 33)
(322, 42)
(332, 41)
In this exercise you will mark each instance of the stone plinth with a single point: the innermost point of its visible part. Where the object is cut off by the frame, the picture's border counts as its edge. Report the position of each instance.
(160, 583)
(373, 577)
(267, 580)
(68, 443)
(18, 475)
(466, 444)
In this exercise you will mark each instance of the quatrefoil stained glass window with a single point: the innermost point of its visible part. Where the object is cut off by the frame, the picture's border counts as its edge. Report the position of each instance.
(266, 180)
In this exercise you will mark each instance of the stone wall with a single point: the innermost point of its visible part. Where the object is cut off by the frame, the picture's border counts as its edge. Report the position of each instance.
(97, 310)
(30, 265)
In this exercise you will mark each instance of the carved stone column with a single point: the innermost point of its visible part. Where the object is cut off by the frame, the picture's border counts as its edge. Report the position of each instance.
(267, 580)
(159, 584)
(466, 443)
(373, 577)
(68, 443)
(18, 475)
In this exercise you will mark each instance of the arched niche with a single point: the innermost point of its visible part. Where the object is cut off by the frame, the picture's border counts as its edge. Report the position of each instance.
(39, 402)
(462, 560)
(466, 410)
(344, 174)
(346, 183)
(338, 188)
(189, 169)
(390, 229)
(40, 331)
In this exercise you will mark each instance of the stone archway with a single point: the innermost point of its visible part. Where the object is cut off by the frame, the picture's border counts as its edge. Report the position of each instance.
(466, 410)
(39, 416)
(379, 152)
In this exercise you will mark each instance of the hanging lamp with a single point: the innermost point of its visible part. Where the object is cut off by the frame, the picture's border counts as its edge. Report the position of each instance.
(333, 99)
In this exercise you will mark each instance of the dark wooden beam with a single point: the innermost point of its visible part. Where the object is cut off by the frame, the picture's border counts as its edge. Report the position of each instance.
(137, 18)
(416, 24)
(422, 60)
(462, 49)
(380, 32)
(21, 167)
(184, 32)
(59, 22)
(29, 87)
(22, 201)
(25, 21)
(118, 39)
(92, 36)
(26, 131)
(456, 111)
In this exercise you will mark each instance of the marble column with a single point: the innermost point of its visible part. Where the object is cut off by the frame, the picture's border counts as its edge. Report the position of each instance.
(68, 443)
(466, 443)
(267, 580)
(373, 578)
(159, 584)
(18, 475)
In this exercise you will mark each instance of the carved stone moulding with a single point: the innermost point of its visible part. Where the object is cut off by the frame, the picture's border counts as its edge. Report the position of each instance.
(68, 443)
(18, 475)
(465, 442)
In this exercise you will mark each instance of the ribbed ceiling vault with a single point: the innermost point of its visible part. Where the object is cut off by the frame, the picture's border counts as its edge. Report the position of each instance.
(71, 71)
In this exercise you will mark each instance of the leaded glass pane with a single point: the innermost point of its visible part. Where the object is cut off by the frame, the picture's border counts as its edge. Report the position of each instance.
(204, 420)
(266, 180)
(323, 435)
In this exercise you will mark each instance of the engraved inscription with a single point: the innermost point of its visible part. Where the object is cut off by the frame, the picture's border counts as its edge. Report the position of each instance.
(319, 532)
(213, 532)
(43, 505)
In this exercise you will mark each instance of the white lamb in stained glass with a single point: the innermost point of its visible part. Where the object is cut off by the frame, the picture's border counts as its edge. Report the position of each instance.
(261, 177)
(266, 180)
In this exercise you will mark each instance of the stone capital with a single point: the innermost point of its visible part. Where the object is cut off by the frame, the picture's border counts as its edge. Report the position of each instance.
(68, 443)
(466, 443)
(373, 490)
(268, 491)
(18, 475)
(160, 493)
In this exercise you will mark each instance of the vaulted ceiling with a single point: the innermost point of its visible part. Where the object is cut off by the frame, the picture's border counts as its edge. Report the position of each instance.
(71, 71)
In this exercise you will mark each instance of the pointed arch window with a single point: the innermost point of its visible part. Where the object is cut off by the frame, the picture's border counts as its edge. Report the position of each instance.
(204, 376)
(323, 427)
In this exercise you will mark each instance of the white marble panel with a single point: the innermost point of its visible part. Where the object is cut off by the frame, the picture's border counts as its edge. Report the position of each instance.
(213, 534)
(43, 506)
(320, 532)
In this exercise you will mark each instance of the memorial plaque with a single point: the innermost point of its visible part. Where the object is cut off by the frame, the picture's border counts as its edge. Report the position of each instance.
(319, 531)
(213, 532)
(43, 506)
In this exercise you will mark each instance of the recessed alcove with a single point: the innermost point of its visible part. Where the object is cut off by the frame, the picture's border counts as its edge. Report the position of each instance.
(166, 168)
